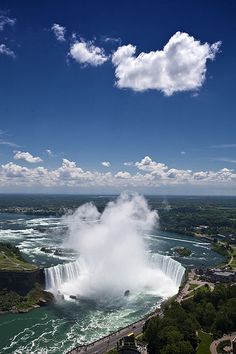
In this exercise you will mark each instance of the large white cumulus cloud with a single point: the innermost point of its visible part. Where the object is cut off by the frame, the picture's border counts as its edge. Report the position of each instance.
(180, 66)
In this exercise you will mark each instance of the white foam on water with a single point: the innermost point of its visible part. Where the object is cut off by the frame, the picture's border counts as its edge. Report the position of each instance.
(44, 222)
(16, 233)
(162, 278)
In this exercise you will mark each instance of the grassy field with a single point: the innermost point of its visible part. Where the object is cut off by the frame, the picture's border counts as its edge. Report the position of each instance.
(12, 263)
(12, 260)
(205, 342)
(193, 286)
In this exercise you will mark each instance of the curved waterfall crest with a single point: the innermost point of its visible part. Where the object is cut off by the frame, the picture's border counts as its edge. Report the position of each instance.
(57, 275)
(60, 274)
(170, 267)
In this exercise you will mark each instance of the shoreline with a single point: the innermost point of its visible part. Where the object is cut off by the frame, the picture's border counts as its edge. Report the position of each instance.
(16, 311)
(11, 301)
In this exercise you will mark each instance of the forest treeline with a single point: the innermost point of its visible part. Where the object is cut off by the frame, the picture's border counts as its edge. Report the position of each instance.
(176, 332)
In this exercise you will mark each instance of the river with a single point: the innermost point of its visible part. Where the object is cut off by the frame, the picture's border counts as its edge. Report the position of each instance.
(62, 325)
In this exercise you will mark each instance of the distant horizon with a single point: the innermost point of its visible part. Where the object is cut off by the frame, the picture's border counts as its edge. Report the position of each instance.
(116, 195)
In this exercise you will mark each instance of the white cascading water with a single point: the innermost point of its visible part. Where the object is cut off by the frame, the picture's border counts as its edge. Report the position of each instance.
(63, 274)
(113, 253)
(56, 276)
(171, 268)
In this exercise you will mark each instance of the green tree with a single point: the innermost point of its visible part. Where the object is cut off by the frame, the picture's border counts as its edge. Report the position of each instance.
(188, 328)
(170, 335)
(208, 315)
(151, 330)
(223, 323)
(181, 347)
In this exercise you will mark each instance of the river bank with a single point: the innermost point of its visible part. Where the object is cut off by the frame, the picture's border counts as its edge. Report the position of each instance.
(13, 302)
(21, 282)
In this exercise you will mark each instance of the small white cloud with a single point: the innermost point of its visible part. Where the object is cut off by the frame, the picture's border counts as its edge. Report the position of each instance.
(6, 51)
(111, 40)
(26, 156)
(6, 21)
(106, 163)
(180, 66)
(87, 53)
(50, 152)
(59, 32)
(183, 152)
(128, 163)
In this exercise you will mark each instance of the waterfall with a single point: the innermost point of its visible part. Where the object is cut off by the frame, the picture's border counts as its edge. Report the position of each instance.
(60, 274)
(56, 276)
(171, 268)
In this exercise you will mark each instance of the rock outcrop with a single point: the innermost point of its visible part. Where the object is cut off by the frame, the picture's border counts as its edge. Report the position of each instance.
(21, 281)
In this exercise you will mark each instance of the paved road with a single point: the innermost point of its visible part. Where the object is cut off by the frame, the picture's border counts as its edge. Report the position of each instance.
(214, 344)
(107, 343)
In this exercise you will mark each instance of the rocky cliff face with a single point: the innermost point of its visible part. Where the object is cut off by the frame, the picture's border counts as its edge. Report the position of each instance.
(21, 282)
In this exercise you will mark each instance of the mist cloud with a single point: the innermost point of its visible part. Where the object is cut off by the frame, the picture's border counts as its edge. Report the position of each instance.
(111, 246)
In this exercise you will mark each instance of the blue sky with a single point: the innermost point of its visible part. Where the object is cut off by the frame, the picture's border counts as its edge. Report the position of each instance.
(88, 86)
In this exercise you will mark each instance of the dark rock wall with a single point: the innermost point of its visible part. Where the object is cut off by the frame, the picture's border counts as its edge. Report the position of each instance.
(21, 282)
